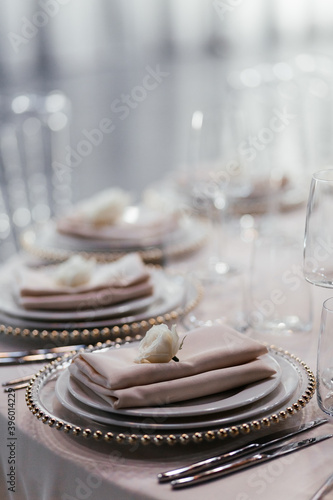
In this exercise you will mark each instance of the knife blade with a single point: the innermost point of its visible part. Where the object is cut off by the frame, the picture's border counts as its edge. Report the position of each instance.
(34, 355)
(233, 454)
(254, 459)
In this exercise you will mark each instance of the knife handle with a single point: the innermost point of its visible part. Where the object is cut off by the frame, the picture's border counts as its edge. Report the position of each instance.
(218, 471)
(197, 467)
(258, 457)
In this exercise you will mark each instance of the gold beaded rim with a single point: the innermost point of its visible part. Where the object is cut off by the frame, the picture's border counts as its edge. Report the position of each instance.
(152, 255)
(196, 436)
(126, 331)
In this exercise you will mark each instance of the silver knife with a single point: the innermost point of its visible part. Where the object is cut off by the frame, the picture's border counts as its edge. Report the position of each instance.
(231, 455)
(257, 458)
(31, 356)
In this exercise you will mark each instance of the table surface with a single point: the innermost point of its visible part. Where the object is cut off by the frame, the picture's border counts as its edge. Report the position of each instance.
(51, 465)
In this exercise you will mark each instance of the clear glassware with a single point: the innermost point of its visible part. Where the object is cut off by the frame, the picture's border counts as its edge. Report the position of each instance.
(318, 270)
(214, 174)
(222, 303)
(278, 299)
(325, 359)
(318, 240)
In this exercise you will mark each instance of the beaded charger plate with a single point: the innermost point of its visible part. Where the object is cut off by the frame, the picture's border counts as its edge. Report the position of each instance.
(45, 242)
(42, 400)
(174, 296)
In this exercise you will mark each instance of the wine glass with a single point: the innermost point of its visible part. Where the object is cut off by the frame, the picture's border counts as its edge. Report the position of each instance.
(214, 173)
(318, 241)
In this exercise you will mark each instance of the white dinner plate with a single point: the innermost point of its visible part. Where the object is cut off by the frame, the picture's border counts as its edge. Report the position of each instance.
(290, 379)
(116, 311)
(226, 401)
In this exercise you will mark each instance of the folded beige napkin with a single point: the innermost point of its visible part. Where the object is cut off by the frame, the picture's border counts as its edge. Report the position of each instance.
(213, 359)
(136, 225)
(126, 279)
(99, 298)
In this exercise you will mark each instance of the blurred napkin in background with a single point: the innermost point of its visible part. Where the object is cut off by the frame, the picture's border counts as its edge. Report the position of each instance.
(107, 215)
(104, 284)
(213, 359)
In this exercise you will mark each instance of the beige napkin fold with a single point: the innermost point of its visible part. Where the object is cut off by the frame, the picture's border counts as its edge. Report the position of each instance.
(213, 359)
(139, 225)
(100, 298)
(126, 279)
(126, 271)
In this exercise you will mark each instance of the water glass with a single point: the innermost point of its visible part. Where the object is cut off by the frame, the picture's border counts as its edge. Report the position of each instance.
(325, 359)
(222, 302)
(279, 299)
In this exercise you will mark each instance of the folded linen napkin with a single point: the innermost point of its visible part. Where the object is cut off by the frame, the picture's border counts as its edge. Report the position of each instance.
(126, 271)
(127, 278)
(213, 359)
(138, 224)
(105, 207)
(99, 298)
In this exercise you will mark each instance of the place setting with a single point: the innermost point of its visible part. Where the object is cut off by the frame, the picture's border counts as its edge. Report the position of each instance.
(109, 224)
(212, 383)
(82, 300)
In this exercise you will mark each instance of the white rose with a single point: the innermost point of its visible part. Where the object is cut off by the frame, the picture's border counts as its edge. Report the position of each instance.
(75, 271)
(105, 207)
(159, 345)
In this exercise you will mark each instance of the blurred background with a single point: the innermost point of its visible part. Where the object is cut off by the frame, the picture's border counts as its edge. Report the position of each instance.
(124, 79)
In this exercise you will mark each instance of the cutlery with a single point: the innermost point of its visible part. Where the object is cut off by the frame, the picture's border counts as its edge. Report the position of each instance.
(16, 387)
(35, 355)
(254, 459)
(231, 455)
(16, 381)
(323, 489)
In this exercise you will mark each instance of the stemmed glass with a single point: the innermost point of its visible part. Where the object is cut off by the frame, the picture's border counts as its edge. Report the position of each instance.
(318, 270)
(214, 173)
(318, 243)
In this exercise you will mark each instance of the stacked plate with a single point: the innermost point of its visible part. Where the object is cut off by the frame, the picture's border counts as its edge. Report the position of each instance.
(218, 410)
(46, 242)
(67, 405)
(173, 294)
